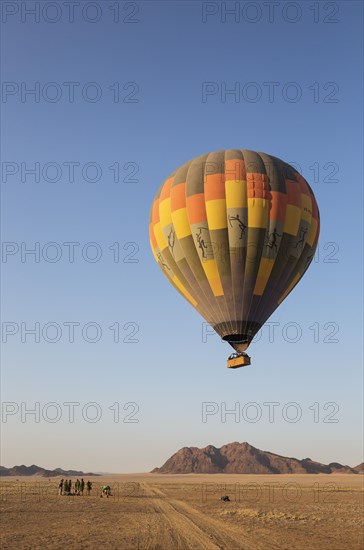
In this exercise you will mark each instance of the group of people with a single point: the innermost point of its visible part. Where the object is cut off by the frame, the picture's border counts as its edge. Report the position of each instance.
(65, 487)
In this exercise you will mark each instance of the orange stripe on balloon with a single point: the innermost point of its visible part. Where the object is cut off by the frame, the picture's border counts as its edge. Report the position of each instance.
(278, 206)
(155, 215)
(165, 192)
(152, 236)
(178, 196)
(196, 208)
(293, 193)
(214, 187)
(315, 213)
(303, 184)
(258, 185)
(235, 169)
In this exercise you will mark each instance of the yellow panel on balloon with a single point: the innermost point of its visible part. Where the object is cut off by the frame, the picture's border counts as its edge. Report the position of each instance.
(258, 212)
(213, 278)
(165, 212)
(160, 238)
(306, 207)
(236, 196)
(216, 214)
(293, 220)
(265, 269)
(312, 233)
(181, 223)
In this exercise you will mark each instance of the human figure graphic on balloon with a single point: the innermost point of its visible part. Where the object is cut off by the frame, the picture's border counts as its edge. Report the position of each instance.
(162, 263)
(201, 244)
(172, 239)
(301, 240)
(240, 223)
(272, 240)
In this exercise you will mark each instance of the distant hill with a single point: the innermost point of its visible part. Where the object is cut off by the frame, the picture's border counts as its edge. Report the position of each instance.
(38, 471)
(359, 468)
(242, 458)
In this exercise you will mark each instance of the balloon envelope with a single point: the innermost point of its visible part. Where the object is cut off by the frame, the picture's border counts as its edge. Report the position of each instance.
(234, 231)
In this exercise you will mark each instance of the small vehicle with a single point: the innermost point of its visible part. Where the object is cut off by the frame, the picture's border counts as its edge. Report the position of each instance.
(225, 498)
(236, 360)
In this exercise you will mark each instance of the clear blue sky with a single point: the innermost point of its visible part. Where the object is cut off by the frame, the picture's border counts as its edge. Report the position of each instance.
(167, 54)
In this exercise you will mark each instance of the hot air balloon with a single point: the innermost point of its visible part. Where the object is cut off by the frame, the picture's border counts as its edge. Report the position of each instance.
(234, 231)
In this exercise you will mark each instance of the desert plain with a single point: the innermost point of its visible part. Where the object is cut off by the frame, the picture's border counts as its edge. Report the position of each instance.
(177, 512)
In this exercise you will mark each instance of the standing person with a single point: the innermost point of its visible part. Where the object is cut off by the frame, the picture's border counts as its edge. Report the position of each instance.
(60, 487)
(65, 487)
(77, 486)
(88, 487)
(69, 486)
(82, 485)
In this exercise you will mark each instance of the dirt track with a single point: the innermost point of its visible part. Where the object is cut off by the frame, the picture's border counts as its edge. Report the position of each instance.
(187, 527)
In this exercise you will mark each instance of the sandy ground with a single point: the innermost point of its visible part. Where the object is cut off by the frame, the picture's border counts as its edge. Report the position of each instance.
(178, 512)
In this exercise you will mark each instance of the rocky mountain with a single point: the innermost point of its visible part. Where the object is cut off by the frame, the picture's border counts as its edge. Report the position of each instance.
(242, 458)
(38, 471)
(359, 468)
